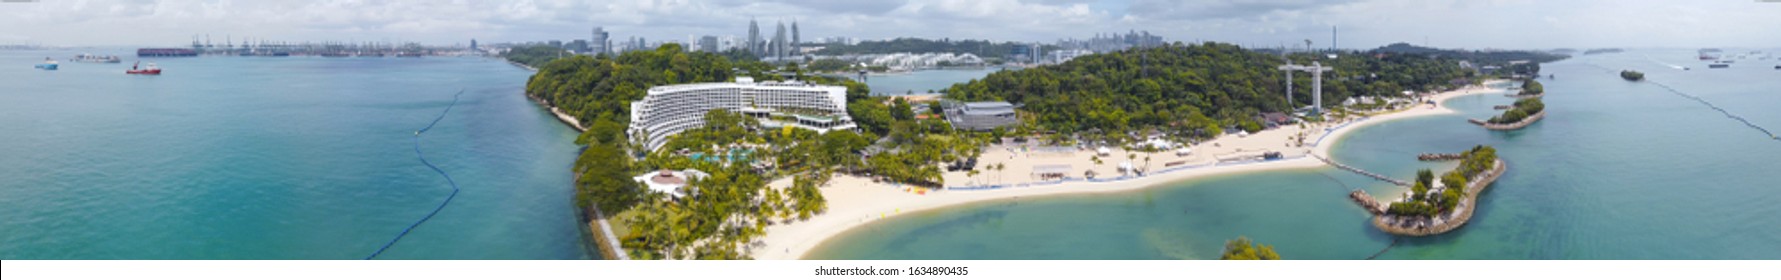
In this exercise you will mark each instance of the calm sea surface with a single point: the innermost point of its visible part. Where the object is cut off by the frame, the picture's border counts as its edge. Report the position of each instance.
(1617, 170)
(920, 82)
(278, 158)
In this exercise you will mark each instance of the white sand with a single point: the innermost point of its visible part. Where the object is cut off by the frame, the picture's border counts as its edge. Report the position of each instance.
(855, 201)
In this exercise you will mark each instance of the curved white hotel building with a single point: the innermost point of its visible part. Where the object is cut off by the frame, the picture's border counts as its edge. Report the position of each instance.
(671, 109)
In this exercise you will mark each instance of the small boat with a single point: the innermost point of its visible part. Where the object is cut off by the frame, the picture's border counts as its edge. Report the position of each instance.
(48, 64)
(1719, 65)
(150, 70)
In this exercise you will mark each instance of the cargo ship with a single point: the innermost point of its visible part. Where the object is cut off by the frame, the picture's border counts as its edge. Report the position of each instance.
(150, 52)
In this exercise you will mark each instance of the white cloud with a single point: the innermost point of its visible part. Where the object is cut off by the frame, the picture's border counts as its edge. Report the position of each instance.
(1364, 23)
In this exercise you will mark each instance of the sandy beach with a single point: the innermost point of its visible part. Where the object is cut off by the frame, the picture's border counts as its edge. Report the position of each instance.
(855, 201)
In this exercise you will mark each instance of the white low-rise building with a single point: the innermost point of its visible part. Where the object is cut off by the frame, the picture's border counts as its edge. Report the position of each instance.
(669, 182)
(671, 109)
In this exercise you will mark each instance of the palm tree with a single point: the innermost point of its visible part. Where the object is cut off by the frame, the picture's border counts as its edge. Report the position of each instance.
(999, 168)
(973, 175)
(1147, 163)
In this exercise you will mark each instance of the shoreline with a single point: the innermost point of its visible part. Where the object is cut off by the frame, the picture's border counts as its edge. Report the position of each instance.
(857, 201)
(1458, 218)
(1511, 126)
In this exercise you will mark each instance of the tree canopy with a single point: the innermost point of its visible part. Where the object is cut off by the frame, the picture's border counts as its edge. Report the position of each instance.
(534, 55)
(1189, 87)
(1243, 249)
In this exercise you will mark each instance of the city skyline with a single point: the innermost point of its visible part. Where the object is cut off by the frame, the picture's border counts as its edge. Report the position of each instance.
(1451, 24)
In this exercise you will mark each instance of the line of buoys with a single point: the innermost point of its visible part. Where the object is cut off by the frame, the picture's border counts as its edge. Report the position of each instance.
(1394, 243)
(1710, 105)
(423, 159)
(1728, 114)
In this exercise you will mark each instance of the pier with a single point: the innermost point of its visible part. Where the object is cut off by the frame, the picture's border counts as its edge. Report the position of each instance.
(1362, 172)
(1366, 201)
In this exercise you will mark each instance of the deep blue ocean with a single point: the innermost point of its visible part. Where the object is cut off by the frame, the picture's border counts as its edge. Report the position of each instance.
(278, 158)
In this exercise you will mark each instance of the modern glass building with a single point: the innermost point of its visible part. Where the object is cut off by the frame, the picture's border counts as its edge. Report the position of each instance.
(671, 109)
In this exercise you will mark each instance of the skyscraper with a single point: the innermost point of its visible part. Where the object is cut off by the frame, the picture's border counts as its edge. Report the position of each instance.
(779, 42)
(600, 43)
(708, 44)
(754, 38)
(795, 40)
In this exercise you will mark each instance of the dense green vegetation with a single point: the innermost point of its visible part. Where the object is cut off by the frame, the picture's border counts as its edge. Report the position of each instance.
(722, 213)
(1191, 89)
(534, 55)
(1453, 185)
(982, 48)
(590, 88)
(1522, 109)
(1631, 75)
(1532, 87)
(914, 148)
(1512, 62)
(731, 206)
(1243, 249)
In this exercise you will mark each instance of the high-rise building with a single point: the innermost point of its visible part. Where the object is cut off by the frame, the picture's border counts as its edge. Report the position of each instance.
(795, 40)
(778, 48)
(600, 43)
(472, 44)
(579, 45)
(754, 39)
(708, 44)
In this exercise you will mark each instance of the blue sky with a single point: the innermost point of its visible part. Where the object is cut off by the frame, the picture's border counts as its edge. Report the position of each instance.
(1363, 23)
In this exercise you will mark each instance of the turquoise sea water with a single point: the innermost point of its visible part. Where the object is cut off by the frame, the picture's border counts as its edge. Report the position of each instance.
(1617, 170)
(920, 82)
(278, 158)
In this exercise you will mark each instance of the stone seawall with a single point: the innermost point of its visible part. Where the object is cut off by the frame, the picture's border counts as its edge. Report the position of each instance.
(1446, 222)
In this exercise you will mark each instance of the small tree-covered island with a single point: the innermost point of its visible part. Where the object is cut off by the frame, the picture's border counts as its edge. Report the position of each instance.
(1438, 206)
(1524, 112)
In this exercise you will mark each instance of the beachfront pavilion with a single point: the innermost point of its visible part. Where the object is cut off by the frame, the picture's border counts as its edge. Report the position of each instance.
(669, 181)
(1050, 171)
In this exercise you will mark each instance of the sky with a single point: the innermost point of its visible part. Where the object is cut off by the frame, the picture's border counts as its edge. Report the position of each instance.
(1476, 24)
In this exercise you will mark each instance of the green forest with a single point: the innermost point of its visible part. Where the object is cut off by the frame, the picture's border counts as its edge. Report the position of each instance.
(534, 55)
(1529, 60)
(1199, 89)
(597, 91)
(1193, 89)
